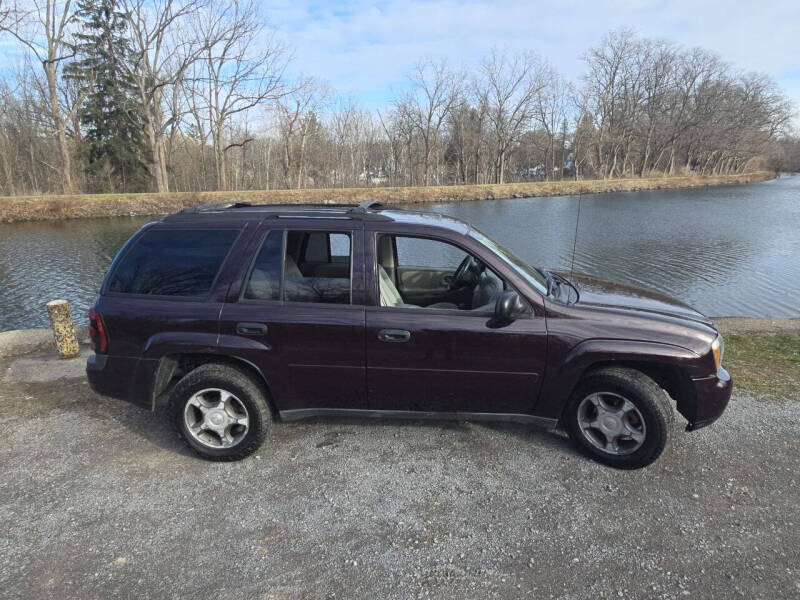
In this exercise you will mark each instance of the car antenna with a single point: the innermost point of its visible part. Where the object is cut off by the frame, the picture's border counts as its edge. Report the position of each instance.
(575, 237)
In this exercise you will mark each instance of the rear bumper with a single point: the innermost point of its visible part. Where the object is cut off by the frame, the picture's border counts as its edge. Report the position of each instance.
(113, 376)
(711, 398)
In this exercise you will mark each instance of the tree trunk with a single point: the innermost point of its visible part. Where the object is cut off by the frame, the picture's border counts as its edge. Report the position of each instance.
(426, 172)
(219, 163)
(162, 154)
(646, 153)
(613, 166)
(7, 172)
(501, 168)
(156, 163)
(269, 151)
(32, 170)
(61, 130)
(301, 158)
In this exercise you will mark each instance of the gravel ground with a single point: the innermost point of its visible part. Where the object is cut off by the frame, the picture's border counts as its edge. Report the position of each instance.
(99, 500)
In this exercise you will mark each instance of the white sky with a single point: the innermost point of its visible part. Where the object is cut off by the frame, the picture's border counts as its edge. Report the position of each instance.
(366, 49)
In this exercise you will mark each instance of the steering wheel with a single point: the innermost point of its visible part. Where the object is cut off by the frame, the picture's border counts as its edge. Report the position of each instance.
(465, 273)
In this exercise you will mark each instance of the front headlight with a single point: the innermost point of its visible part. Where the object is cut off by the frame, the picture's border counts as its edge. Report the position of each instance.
(718, 348)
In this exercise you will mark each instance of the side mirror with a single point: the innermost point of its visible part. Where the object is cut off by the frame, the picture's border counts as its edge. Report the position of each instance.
(509, 306)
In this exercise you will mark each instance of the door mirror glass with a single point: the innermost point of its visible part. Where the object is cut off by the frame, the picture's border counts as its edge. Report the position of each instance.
(509, 306)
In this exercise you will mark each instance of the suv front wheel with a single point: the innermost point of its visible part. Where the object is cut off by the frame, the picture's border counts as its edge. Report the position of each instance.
(620, 417)
(220, 412)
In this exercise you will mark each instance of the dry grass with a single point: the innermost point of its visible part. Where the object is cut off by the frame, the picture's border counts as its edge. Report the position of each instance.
(33, 208)
(767, 365)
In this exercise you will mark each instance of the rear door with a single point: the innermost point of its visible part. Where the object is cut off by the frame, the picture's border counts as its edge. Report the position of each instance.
(298, 315)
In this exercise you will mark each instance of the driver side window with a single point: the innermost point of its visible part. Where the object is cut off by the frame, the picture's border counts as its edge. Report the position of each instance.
(420, 272)
(427, 253)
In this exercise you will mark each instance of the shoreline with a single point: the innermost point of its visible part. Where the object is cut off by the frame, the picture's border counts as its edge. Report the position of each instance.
(15, 209)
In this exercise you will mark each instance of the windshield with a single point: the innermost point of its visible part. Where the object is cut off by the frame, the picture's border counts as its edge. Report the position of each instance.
(531, 275)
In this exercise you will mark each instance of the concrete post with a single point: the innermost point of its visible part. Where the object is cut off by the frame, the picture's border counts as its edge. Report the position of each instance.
(63, 328)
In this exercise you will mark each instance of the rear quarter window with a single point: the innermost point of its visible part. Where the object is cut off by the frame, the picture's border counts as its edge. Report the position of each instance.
(167, 262)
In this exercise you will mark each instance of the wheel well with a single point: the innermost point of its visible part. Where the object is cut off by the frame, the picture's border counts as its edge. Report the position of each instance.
(174, 366)
(674, 380)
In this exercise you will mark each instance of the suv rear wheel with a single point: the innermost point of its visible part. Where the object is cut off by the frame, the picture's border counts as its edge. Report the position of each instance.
(620, 417)
(220, 412)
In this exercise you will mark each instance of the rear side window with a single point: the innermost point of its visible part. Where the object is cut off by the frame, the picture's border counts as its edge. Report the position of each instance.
(312, 266)
(173, 262)
(340, 248)
(265, 278)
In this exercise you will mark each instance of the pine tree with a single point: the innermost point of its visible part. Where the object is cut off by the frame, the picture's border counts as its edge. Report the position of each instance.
(111, 114)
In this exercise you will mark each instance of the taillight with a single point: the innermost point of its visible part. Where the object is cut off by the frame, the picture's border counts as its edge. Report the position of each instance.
(97, 332)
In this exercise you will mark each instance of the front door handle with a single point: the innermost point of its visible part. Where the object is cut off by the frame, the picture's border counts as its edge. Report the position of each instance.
(394, 335)
(251, 328)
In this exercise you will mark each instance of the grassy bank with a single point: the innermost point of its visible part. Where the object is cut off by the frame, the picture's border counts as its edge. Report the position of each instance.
(34, 208)
(768, 365)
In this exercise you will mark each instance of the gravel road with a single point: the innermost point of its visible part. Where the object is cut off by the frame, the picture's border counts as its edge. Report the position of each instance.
(99, 500)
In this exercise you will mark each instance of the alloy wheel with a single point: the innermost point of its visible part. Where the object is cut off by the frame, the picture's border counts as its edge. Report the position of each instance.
(216, 418)
(611, 423)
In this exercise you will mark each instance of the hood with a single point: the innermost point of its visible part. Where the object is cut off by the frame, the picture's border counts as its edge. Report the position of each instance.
(605, 294)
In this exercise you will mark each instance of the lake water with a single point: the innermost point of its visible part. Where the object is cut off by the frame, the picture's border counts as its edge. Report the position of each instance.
(728, 251)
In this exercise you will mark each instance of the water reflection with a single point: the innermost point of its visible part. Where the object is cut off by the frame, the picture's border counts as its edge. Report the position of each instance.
(45, 260)
(727, 251)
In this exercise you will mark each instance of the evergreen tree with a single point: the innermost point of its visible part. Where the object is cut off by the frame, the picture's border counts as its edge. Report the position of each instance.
(111, 114)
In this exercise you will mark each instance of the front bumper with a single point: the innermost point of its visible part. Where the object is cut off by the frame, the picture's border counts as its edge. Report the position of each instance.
(711, 396)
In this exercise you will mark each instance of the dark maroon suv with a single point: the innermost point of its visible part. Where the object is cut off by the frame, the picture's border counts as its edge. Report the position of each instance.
(236, 316)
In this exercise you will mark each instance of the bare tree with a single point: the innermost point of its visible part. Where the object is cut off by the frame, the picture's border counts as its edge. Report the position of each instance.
(5, 14)
(161, 52)
(510, 85)
(6, 96)
(208, 72)
(241, 66)
(435, 92)
(550, 112)
(653, 106)
(360, 151)
(393, 137)
(344, 125)
(298, 120)
(43, 27)
(467, 140)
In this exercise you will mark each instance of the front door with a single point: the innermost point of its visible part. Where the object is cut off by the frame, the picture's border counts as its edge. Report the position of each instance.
(448, 355)
(299, 317)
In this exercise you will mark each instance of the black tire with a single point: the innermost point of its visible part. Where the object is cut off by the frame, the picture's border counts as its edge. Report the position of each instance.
(240, 384)
(646, 395)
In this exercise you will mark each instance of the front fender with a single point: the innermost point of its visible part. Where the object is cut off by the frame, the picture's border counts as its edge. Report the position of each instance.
(566, 370)
(588, 352)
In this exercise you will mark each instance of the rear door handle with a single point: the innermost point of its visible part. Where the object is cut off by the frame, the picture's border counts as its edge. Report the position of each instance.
(251, 328)
(394, 335)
